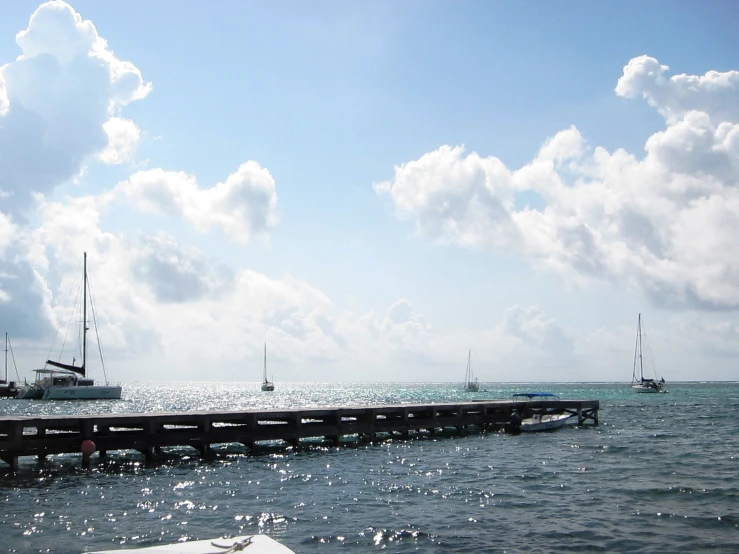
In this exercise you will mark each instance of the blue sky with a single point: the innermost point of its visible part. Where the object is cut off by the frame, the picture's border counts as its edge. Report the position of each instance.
(359, 247)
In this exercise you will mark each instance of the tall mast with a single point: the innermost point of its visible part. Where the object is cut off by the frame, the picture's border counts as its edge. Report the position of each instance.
(641, 363)
(265, 362)
(6, 357)
(84, 315)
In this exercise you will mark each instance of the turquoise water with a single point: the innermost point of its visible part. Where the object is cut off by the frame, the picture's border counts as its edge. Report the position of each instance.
(658, 474)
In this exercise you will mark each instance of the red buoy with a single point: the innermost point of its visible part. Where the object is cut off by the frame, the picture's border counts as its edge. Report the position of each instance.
(87, 447)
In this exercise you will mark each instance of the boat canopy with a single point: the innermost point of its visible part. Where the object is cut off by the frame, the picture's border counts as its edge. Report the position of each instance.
(535, 394)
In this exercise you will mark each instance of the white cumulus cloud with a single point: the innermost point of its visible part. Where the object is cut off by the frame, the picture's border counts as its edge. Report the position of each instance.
(666, 224)
(60, 102)
(242, 206)
(716, 93)
(123, 136)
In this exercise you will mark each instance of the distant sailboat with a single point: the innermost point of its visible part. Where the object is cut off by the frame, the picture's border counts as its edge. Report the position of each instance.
(8, 388)
(643, 384)
(267, 385)
(470, 383)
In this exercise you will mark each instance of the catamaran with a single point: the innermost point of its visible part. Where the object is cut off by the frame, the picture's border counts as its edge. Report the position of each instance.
(470, 385)
(68, 381)
(267, 386)
(643, 384)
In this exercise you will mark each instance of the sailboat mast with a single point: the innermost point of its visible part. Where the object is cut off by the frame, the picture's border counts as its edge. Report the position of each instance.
(265, 362)
(641, 361)
(84, 315)
(6, 357)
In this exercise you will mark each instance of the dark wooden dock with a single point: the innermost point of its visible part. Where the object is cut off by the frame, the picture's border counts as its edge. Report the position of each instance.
(42, 436)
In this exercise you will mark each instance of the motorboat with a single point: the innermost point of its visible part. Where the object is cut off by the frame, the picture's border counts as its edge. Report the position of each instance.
(546, 420)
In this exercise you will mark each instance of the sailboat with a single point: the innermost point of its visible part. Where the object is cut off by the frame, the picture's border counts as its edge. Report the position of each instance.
(470, 385)
(68, 381)
(7, 389)
(267, 385)
(643, 384)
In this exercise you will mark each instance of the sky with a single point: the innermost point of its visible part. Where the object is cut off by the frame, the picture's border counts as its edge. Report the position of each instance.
(372, 189)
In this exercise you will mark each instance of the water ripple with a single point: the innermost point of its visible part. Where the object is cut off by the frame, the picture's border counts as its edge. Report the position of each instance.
(658, 475)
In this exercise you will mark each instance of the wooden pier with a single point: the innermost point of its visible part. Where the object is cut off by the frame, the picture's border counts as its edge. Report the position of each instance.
(147, 433)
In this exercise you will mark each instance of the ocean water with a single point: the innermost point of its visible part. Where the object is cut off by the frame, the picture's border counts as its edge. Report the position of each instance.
(659, 474)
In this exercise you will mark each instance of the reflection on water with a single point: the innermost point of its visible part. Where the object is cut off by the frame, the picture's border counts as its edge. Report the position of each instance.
(658, 475)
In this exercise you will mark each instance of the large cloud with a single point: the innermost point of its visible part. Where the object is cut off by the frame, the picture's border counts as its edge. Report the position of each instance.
(156, 297)
(59, 104)
(243, 205)
(666, 224)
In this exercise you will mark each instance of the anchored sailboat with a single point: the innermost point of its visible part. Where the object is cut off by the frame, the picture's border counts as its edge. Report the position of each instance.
(68, 381)
(643, 384)
(8, 388)
(267, 385)
(470, 383)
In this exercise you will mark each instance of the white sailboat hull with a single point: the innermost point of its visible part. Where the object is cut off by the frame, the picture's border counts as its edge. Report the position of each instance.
(94, 392)
(647, 389)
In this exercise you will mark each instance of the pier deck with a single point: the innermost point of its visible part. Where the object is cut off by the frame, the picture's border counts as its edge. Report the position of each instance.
(41, 436)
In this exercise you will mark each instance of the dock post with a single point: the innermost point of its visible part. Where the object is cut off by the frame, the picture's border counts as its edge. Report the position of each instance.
(11, 460)
(102, 430)
(147, 449)
(203, 446)
(295, 441)
(251, 427)
(15, 435)
(580, 418)
(334, 439)
(87, 446)
(41, 432)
